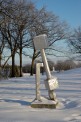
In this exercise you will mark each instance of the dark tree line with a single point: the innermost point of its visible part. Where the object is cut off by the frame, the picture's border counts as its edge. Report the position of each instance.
(58, 66)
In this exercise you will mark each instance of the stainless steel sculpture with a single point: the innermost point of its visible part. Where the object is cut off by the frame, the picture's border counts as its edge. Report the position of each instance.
(51, 83)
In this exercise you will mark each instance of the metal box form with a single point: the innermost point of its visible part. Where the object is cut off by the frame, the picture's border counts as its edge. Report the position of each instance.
(51, 84)
(40, 42)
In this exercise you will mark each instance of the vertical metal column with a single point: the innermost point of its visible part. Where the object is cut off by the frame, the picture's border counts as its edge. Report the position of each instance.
(38, 65)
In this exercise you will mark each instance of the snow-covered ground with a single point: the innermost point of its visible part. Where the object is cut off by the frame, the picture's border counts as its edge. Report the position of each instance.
(16, 95)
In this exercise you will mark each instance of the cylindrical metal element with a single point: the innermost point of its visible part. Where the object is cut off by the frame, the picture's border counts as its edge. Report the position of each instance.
(38, 65)
(48, 73)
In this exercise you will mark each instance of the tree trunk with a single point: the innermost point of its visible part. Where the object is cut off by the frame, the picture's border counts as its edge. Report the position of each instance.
(32, 66)
(13, 66)
(20, 53)
(0, 59)
(20, 62)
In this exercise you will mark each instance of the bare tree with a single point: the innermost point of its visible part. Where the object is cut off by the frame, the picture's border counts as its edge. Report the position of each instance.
(14, 29)
(2, 45)
(22, 21)
(45, 22)
(3, 12)
(75, 43)
(9, 31)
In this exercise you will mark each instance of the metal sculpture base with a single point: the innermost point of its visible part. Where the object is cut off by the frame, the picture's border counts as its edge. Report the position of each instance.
(44, 103)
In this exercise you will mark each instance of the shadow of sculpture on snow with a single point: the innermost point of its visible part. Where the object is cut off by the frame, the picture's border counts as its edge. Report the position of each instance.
(21, 102)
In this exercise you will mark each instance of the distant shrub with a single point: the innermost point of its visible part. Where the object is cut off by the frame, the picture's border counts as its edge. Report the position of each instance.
(16, 71)
(26, 68)
(64, 65)
(4, 72)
